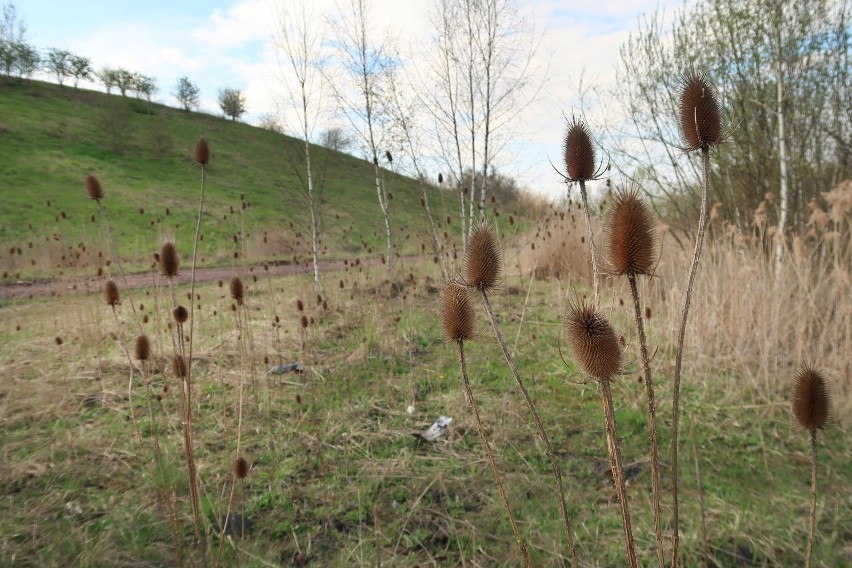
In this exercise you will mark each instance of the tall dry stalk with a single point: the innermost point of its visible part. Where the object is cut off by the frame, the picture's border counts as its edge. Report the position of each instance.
(701, 128)
(811, 408)
(595, 345)
(580, 166)
(632, 251)
(483, 265)
(457, 320)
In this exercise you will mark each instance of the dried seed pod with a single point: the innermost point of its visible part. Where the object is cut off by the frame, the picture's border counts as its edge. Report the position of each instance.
(202, 151)
(440, 178)
(179, 367)
(300, 305)
(142, 349)
(456, 312)
(579, 152)
(810, 398)
(483, 261)
(93, 188)
(180, 314)
(631, 236)
(593, 340)
(111, 295)
(169, 260)
(237, 290)
(241, 467)
(700, 115)
(303, 321)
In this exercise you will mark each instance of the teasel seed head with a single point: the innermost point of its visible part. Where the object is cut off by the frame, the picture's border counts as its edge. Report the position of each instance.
(579, 152)
(111, 295)
(169, 260)
(180, 314)
(303, 321)
(700, 115)
(179, 367)
(631, 236)
(810, 398)
(143, 348)
(241, 467)
(456, 312)
(93, 188)
(482, 261)
(593, 340)
(202, 151)
(237, 290)
(300, 305)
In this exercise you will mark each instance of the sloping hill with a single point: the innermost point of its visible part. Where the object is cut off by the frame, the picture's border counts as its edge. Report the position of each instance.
(51, 137)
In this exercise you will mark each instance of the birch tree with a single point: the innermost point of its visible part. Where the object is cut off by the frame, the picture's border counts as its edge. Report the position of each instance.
(298, 43)
(364, 66)
(481, 67)
(780, 68)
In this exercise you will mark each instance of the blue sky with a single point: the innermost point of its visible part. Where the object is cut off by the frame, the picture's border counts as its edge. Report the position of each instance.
(226, 43)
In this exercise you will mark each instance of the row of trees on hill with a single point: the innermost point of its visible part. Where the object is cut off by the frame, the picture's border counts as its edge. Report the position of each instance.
(20, 59)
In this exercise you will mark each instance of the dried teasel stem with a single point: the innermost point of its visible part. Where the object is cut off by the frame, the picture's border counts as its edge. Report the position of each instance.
(457, 320)
(596, 277)
(618, 471)
(811, 409)
(652, 418)
(693, 269)
(483, 265)
(501, 488)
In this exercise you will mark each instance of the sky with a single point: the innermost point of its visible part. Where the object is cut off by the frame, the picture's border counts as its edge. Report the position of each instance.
(228, 43)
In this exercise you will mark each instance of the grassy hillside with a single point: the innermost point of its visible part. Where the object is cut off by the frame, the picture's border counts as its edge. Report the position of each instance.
(51, 137)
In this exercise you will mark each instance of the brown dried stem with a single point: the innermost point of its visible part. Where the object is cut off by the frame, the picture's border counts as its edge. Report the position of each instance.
(501, 488)
(812, 530)
(617, 471)
(595, 272)
(652, 418)
(705, 160)
(557, 472)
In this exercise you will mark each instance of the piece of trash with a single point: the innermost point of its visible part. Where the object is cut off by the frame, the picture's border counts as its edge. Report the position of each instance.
(437, 429)
(238, 525)
(410, 409)
(283, 369)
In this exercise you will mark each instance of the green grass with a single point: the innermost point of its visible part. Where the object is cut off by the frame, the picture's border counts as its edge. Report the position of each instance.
(79, 490)
(52, 137)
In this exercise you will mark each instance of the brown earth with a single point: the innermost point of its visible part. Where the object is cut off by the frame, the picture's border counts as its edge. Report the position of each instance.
(87, 285)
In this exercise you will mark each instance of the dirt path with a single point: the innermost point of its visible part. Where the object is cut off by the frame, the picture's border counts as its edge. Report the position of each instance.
(72, 286)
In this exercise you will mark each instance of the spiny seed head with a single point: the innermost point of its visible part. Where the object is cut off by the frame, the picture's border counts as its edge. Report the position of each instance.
(202, 151)
(179, 367)
(700, 115)
(93, 188)
(237, 290)
(169, 260)
(593, 340)
(143, 348)
(111, 295)
(303, 321)
(241, 467)
(632, 240)
(810, 398)
(482, 261)
(456, 312)
(579, 152)
(180, 314)
(300, 305)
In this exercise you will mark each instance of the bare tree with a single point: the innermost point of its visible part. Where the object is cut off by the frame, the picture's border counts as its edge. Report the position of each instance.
(187, 94)
(481, 66)
(298, 42)
(107, 76)
(58, 63)
(336, 138)
(81, 68)
(232, 102)
(364, 65)
(125, 80)
(780, 68)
